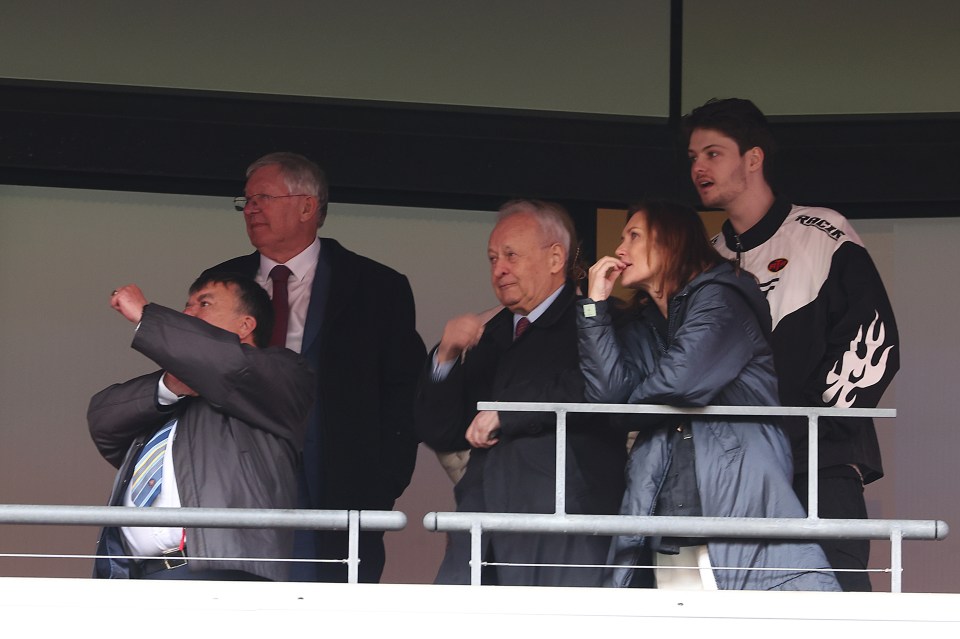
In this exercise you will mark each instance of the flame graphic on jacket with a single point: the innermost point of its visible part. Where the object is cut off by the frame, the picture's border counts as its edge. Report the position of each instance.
(853, 372)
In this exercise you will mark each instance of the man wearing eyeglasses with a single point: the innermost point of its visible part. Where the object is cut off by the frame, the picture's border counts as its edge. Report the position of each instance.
(353, 320)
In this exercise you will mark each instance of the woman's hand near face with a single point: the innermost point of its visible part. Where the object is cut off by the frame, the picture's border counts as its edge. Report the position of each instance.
(602, 276)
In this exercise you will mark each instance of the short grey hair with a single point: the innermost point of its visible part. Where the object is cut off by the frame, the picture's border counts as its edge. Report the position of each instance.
(556, 225)
(300, 174)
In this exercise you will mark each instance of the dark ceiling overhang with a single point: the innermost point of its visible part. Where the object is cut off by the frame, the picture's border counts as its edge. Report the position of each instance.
(200, 142)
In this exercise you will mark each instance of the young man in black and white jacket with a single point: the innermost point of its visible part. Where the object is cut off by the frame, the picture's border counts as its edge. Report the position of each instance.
(835, 337)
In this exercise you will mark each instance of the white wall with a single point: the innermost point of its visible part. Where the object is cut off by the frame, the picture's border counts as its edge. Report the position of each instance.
(920, 446)
(58, 607)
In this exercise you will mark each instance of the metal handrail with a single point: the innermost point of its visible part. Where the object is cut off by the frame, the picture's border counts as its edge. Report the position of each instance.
(745, 527)
(353, 521)
(811, 527)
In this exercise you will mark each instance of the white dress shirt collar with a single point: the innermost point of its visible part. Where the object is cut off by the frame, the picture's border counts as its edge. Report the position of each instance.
(302, 263)
(535, 314)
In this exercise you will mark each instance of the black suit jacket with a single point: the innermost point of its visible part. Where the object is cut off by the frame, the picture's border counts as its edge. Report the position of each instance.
(360, 339)
(518, 473)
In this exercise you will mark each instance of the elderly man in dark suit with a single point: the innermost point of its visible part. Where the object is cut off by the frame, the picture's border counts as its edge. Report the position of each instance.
(220, 426)
(526, 352)
(353, 320)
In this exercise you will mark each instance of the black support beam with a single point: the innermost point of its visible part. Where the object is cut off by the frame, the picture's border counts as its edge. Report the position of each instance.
(196, 142)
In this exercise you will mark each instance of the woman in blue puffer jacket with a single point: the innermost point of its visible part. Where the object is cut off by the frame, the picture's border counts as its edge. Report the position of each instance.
(695, 334)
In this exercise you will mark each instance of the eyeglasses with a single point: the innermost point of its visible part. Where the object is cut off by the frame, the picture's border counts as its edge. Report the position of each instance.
(260, 200)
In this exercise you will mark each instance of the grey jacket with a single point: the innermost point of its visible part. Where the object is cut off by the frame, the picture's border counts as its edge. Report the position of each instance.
(237, 445)
(715, 352)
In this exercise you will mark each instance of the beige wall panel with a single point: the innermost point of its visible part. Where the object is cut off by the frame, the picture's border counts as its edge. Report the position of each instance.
(606, 56)
(822, 56)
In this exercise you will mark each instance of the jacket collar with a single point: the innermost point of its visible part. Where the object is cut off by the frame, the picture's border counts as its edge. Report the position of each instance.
(325, 287)
(759, 232)
(550, 316)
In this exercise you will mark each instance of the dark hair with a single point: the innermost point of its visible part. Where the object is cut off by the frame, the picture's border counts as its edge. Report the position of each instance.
(739, 120)
(252, 300)
(556, 225)
(686, 250)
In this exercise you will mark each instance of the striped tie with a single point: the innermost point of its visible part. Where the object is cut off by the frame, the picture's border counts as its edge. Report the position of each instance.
(522, 325)
(148, 472)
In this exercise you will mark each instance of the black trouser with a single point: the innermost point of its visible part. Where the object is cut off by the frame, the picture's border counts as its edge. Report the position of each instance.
(185, 574)
(841, 497)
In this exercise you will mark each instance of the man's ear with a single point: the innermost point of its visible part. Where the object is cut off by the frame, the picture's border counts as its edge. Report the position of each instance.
(755, 158)
(245, 330)
(558, 258)
(310, 208)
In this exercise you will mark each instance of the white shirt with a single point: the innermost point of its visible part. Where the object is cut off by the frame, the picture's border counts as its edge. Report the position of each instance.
(303, 268)
(152, 541)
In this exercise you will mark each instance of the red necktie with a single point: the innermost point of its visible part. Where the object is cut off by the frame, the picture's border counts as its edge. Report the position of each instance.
(522, 325)
(281, 307)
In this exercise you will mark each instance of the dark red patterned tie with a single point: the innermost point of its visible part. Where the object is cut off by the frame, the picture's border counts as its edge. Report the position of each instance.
(281, 307)
(522, 325)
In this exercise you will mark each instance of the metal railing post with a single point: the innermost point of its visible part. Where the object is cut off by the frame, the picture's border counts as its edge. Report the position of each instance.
(476, 553)
(813, 468)
(561, 460)
(896, 560)
(353, 544)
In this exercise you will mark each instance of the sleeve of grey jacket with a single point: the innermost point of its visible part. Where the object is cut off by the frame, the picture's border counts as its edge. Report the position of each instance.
(271, 389)
(609, 377)
(121, 412)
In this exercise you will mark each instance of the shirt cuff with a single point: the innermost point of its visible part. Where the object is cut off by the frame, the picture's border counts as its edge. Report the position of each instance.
(441, 371)
(165, 396)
